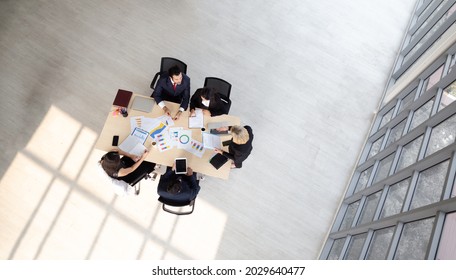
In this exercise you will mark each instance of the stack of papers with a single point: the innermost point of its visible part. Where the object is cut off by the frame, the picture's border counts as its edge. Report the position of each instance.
(132, 145)
(211, 141)
(197, 121)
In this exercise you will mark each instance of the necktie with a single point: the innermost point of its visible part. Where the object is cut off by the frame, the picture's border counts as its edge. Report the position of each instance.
(174, 86)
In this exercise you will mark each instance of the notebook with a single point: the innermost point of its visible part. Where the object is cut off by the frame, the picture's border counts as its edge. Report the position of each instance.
(218, 160)
(122, 98)
(144, 104)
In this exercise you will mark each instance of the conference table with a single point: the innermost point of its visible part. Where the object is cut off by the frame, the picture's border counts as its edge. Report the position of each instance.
(116, 124)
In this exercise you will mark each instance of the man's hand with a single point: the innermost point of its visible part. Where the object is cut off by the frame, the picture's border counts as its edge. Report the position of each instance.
(167, 111)
(177, 116)
(223, 128)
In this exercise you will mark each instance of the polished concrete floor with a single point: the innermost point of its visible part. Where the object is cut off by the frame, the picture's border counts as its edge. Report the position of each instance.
(307, 76)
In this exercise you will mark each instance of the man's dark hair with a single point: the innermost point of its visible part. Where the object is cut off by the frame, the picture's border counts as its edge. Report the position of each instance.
(174, 71)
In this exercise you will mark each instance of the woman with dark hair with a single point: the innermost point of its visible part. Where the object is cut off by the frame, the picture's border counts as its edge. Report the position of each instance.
(126, 168)
(208, 100)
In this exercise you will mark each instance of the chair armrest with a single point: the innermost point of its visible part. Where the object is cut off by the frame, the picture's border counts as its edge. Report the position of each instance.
(226, 105)
(154, 80)
(139, 178)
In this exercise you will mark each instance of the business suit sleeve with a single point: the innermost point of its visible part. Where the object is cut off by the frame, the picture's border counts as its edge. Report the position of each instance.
(186, 93)
(158, 93)
(193, 184)
(194, 101)
(228, 155)
(217, 109)
(163, 183)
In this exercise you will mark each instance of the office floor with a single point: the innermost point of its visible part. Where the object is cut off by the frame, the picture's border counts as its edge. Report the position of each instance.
(306, 75)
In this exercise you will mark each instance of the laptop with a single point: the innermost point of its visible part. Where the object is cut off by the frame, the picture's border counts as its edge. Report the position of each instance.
(144, 104)
(214, 125)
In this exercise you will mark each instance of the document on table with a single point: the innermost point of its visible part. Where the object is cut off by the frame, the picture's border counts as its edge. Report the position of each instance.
(140, 134)
(132, 145)
(195, 148)
(166, 120)
(184, 137)
(152, 126)
(197, 121)
(163, 141)
(174, 135)
(211, 141)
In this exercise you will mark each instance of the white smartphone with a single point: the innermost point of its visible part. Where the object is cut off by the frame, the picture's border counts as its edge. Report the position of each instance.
(180, 165)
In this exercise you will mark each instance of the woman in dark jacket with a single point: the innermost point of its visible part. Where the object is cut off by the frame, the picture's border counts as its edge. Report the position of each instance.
(240, 146)
(208, 100)
(126, 168)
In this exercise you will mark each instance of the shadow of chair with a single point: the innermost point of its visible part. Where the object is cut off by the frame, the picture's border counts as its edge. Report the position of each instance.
(223, 88)
(178, 207)
(166, 63)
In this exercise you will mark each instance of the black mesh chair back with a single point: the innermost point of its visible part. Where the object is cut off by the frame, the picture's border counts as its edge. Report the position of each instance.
(223, 88)
(166, 63)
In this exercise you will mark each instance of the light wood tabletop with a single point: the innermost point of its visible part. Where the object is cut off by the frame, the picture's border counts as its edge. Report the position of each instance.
(116, 124)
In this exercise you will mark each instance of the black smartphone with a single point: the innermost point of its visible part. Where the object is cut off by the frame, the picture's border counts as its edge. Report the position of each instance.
(181, 165)
(115, 140)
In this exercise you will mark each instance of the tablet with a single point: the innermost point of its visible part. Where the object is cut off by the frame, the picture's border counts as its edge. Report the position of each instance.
(181, 165)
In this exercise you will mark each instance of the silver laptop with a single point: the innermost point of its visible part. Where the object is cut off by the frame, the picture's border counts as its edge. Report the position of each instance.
(144, 104)
(214, 125)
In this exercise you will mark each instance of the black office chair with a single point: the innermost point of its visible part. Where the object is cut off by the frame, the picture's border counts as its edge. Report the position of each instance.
(178, 205)
(223, 88)
(166, 63)
(146, 172)
(136, 183)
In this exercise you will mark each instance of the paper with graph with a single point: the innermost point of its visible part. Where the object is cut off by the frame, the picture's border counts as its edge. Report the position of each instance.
(211, 141)
(195, 148)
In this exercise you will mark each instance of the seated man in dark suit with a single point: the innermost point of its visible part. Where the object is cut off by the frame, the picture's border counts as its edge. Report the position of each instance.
(175, 87)
(178, 187)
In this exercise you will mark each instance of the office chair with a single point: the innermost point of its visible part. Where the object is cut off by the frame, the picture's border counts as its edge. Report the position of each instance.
(181, 204)
(127, 187)
(176, 207)
(166, 63)
(223, 88)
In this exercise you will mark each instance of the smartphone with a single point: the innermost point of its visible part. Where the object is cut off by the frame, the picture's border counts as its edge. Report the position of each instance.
(226, 143)
(180, 165)
(115, 140)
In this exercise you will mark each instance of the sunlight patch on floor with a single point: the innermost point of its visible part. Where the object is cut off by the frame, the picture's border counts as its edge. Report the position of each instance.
(56, 203)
